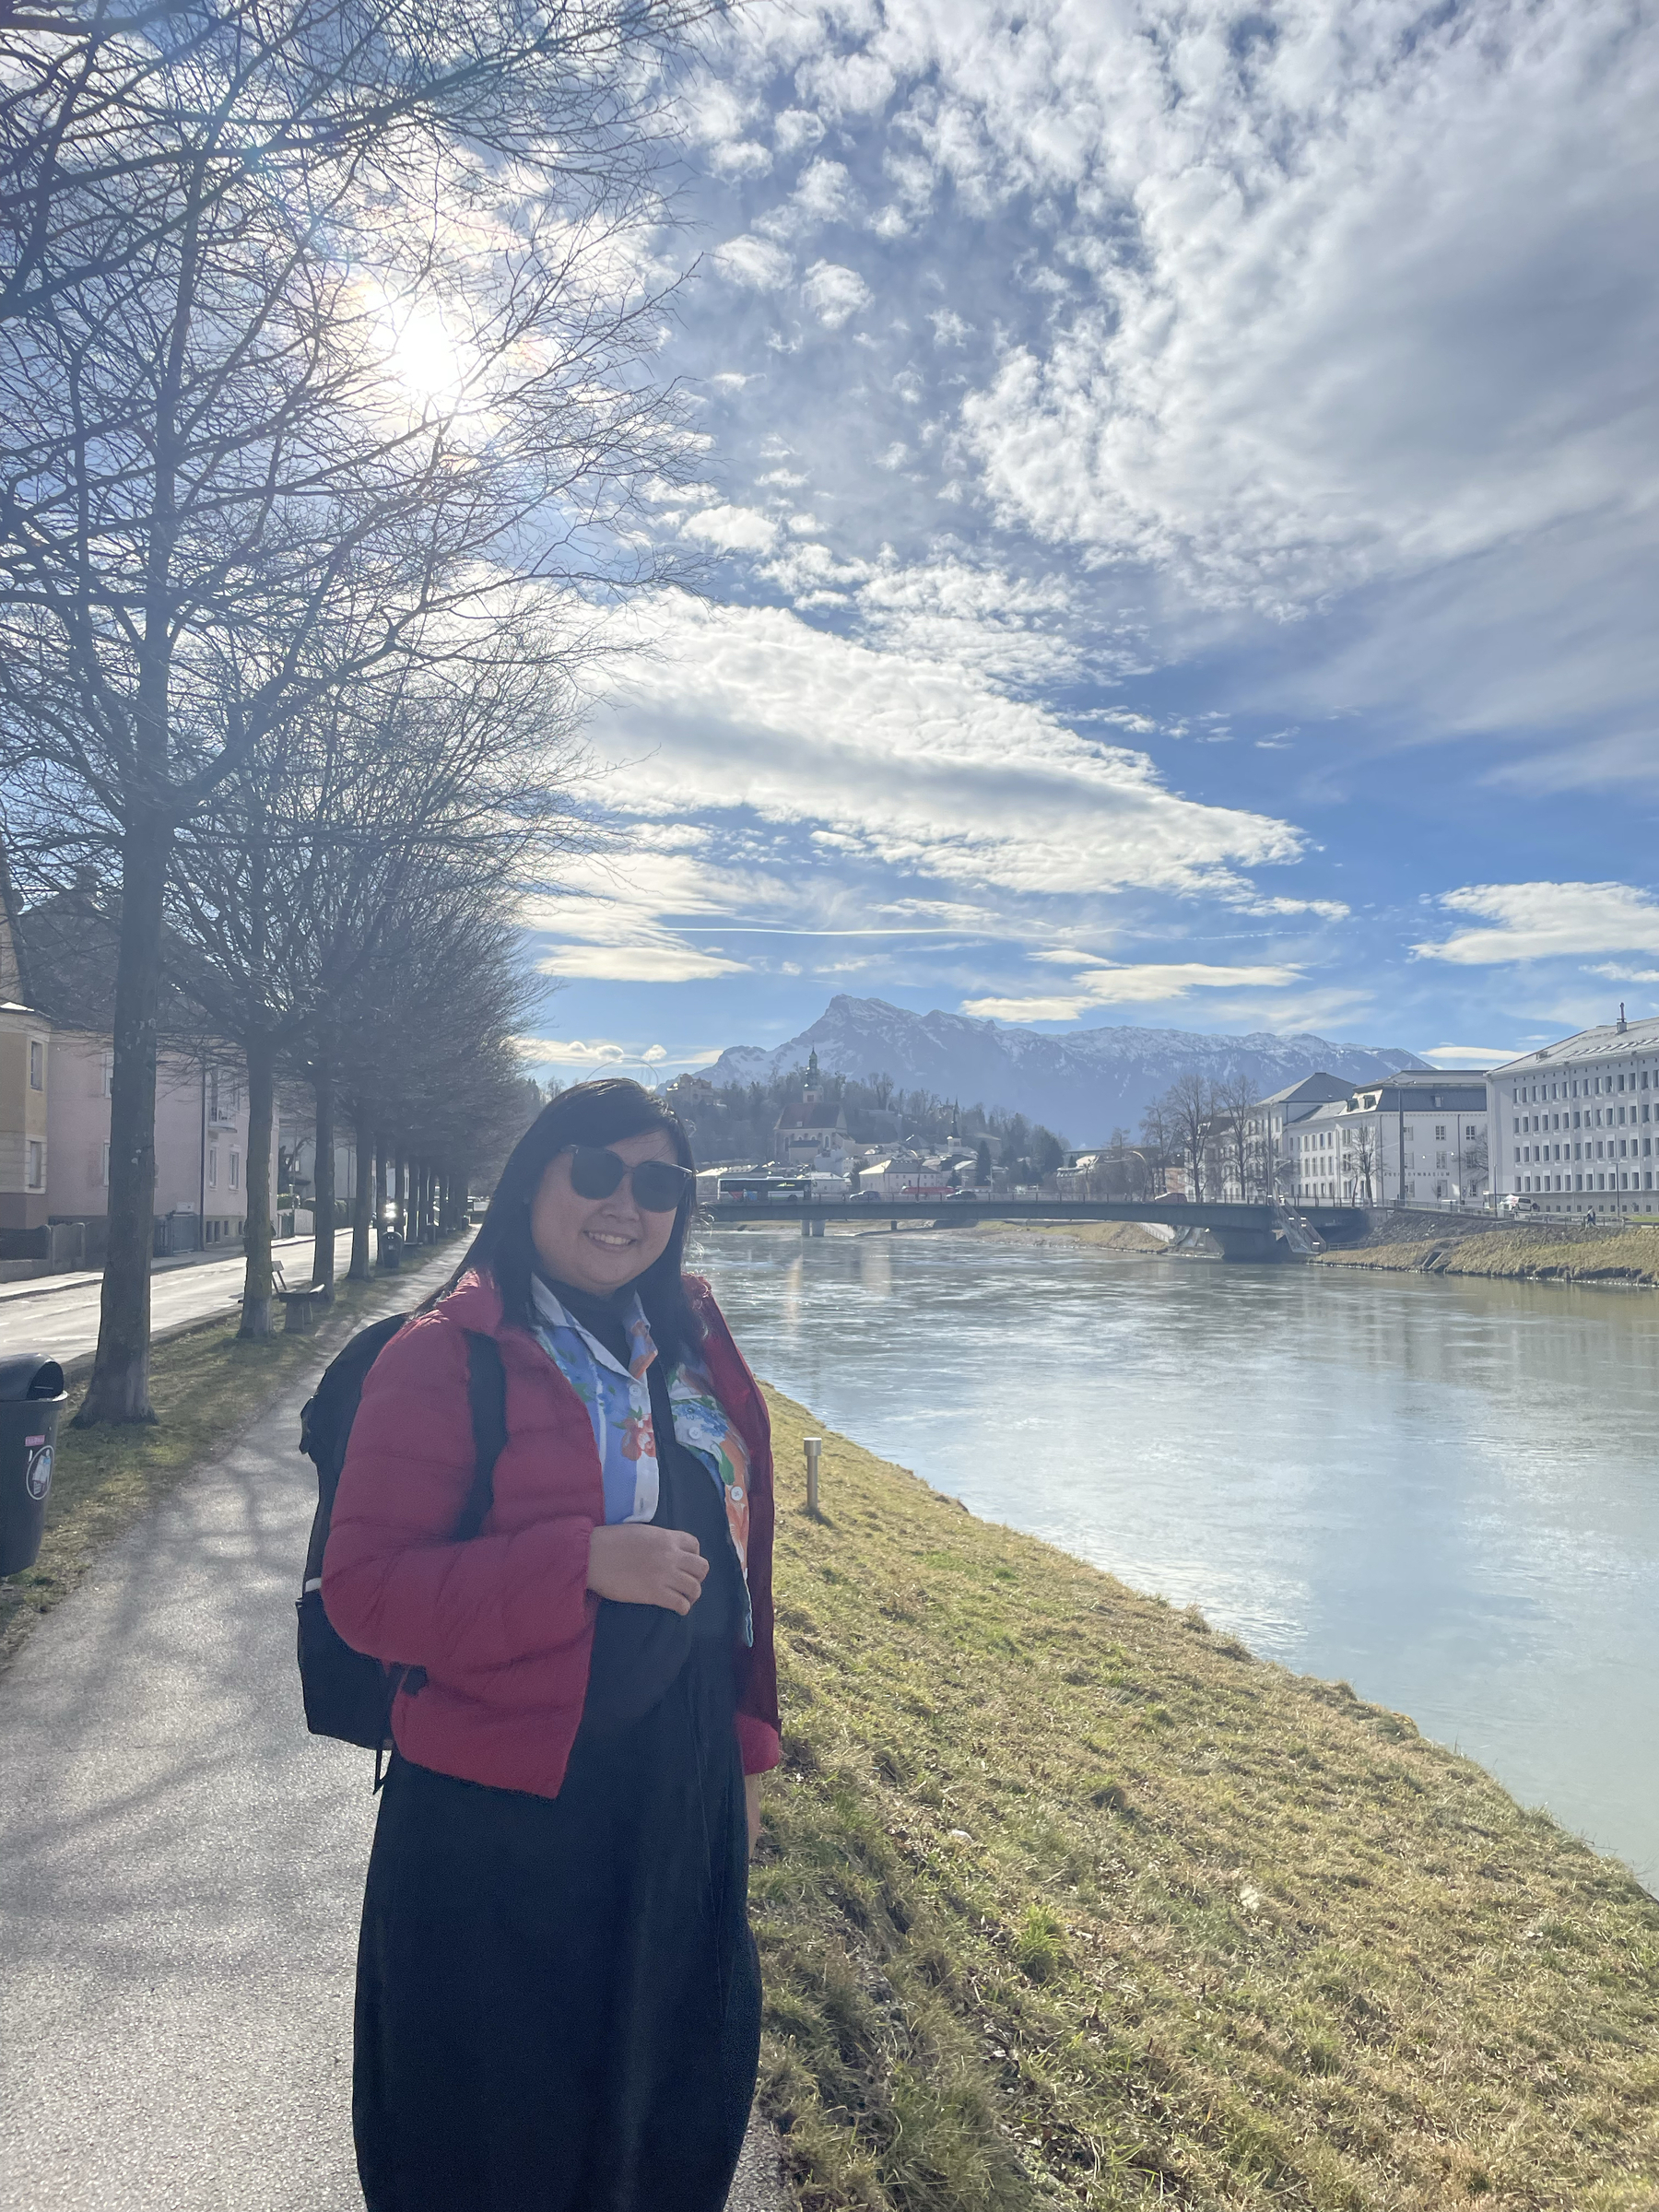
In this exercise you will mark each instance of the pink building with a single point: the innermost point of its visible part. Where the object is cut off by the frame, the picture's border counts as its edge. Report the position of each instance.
(66, 956)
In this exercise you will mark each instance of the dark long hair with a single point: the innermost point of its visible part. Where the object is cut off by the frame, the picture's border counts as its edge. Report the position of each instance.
(588, 1114)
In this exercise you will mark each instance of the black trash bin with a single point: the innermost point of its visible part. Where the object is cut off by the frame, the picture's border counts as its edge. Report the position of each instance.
(31, 1397)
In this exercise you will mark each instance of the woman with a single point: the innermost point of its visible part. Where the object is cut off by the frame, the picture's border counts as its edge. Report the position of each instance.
(558, 2002)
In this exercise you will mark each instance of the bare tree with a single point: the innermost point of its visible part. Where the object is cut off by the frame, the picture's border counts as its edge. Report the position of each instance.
(1474, 1162)
(1190, 1104)
(1365, 1163)
(304, 883)
(225, 491)
(1235, 1106)
(1158, 1138)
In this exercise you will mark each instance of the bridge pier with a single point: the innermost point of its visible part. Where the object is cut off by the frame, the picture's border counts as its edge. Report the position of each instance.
(1253, 1244)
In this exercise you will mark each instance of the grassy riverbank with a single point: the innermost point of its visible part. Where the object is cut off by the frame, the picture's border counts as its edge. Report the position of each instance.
(1545, 1251)
(1067, 1901)
(1108, 1236)
(207, 1387)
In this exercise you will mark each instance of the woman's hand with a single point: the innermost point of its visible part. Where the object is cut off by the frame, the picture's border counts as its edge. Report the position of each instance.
(639, 1565)
(751, 1804)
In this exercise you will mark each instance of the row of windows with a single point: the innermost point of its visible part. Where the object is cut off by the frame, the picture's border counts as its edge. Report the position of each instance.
(1593, 1087)
(1324, 1141)
(1609, 1179)
(1591, 1119)
(1582, 1151)
(99, 1171)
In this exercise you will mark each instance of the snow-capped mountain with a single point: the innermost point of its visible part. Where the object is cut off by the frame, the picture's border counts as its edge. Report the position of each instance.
(1084, 1084)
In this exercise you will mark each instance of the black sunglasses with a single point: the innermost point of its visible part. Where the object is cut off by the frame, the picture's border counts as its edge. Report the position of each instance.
(658, 1184)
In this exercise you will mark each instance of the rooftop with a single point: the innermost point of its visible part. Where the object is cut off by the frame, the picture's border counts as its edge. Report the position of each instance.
(1613, 1041)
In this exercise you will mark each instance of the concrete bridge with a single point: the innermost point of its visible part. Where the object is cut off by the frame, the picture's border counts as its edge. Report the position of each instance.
(1243, 1232)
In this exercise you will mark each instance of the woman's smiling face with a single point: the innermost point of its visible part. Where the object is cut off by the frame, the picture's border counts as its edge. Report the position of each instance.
(597, 1244)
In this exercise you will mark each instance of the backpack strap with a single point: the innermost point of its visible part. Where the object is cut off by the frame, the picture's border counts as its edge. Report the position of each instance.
(487, 1395)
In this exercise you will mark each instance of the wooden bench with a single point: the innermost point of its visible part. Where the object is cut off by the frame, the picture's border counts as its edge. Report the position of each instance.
(303, 1311)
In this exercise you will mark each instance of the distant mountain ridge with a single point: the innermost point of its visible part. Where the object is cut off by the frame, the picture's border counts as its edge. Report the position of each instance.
(1084, 1084)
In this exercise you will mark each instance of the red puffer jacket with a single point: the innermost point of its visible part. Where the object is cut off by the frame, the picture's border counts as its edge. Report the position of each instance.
(503, 1624)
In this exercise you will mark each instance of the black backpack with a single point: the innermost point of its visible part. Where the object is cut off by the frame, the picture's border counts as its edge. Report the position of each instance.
(348, 1695)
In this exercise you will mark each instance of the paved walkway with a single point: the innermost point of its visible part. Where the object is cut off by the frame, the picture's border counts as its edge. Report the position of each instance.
(58, 1315)
(180, 1867)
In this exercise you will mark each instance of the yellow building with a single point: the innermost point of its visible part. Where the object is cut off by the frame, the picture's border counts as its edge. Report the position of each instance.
(25, 1035)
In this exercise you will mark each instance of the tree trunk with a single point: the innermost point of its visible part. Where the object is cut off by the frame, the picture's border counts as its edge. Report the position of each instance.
(403, 1199)
(256, 1236)
(362, 1205)
(322, 1182)
(119, 1390)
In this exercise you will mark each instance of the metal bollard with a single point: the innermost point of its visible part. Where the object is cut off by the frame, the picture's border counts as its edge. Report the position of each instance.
(813, 1446)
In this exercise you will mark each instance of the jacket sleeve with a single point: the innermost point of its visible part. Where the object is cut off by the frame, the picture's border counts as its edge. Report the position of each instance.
(394, 1584)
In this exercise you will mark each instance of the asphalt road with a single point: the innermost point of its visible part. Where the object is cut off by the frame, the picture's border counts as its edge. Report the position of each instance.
(61, 1319)
(180, 1867)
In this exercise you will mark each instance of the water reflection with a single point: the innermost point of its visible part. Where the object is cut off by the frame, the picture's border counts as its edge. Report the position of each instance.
(1444, 1491)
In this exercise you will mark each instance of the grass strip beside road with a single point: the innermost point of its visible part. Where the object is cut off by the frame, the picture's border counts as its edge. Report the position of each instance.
(207, 1387)
(1067, 1900)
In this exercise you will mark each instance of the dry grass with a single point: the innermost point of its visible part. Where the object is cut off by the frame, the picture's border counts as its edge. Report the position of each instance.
(205, 1388)
(1627, 1258)
(1067, 1901)
(1110, 1236)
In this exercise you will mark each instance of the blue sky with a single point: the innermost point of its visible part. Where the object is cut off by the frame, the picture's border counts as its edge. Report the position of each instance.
(1179, 492)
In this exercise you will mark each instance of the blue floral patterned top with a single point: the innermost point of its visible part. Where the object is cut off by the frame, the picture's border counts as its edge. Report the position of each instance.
(619, 1404)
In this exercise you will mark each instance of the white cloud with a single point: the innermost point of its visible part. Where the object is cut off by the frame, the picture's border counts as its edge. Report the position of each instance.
(824, 194)
(733, 529)
(740, 158)
(1336, 296)
(1148, 982)
(846, 84)
(833, 294)
(605, 922)
(795, 129)
(757, 263)
(1545, 921)
(553, 1051)
(1305, 222)
(917, 764)
(1470, 1055)
(665, 961)
(1620, 974)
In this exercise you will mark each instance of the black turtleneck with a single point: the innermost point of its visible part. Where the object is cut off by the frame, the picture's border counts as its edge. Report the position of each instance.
(638, 1650)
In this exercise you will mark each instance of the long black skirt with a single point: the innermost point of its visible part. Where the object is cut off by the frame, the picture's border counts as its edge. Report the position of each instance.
(558, 2000)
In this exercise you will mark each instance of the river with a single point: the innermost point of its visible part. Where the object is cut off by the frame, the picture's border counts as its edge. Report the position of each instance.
(1444, 1492)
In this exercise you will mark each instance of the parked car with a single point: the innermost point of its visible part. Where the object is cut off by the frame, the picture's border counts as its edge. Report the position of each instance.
(1516, 1202)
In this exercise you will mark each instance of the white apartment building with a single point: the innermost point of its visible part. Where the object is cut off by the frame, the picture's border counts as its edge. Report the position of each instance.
(1575, 1121)
(1420, 1138)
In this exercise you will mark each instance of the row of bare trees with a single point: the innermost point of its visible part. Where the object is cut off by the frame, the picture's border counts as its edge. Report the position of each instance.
(325, 409)
(1214, 1133)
